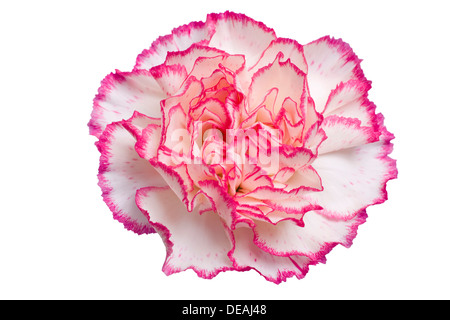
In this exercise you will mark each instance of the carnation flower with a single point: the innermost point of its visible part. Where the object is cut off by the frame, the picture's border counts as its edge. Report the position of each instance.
(242, 150)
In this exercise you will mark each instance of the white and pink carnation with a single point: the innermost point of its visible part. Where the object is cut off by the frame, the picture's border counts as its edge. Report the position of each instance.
(242, 150)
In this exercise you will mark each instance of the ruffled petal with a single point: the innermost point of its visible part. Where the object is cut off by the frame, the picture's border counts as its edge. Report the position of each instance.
(176, 141)
(148, 142)
(204, 66)
(180, 39)
(201, 61)
(343, 133)
(239, 34)
(349, 100)
(281, 49)
(122, 172)
(173, 180)
(264, 193)
(285, 78)
(223, 205)
(330, 62)
(314, 239)
(139, 122)
(306, 178)
(188, 95)
(123, 93)
(289, 49)
(296, 158)
(188, 57)
(354, 178)
(211, 111)
(193, 240)
(296, 208)
(247, 255)
(170, 78)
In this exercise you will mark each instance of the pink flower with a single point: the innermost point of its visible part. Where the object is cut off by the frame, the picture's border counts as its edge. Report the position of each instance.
(242, 150)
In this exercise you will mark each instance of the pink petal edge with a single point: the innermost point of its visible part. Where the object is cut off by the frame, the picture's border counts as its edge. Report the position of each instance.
(116, 169)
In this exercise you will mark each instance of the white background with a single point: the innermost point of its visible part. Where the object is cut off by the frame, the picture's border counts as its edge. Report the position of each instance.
(58, 239)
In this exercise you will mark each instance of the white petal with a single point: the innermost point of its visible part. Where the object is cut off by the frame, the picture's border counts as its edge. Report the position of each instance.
(314, 240)
(349, 100)
(193, 240)
(180, 39)
(123, 93)
(330, 62)
(353, 178)
(343, 133)
(274, 268)
(239, 34)
(122, 172)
